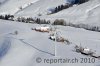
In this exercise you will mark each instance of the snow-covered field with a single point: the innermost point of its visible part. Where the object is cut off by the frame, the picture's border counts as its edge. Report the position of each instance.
(22, 46)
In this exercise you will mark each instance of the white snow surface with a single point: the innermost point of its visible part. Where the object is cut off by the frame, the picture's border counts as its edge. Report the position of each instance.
(24, 48)
(12, 6)
(86, 13)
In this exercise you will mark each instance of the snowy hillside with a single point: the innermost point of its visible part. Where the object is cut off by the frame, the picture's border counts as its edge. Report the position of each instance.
(86, 13)
(29, 35)
(12, 6)
(40, 6)
(22, 50)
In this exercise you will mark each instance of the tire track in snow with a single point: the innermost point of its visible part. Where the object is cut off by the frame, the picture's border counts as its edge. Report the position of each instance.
(22, 40)
(89, 10)
(35, 47)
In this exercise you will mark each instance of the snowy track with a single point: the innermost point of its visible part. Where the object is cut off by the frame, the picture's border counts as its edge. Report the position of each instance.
(23, 41)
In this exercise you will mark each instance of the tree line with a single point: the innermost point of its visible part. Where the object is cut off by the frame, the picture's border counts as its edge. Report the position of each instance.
(44, 21)
(32, 20)
(61, 7)
(67, 5)
(83, 1)
(7, 17)
(24, 19)
(84, 26)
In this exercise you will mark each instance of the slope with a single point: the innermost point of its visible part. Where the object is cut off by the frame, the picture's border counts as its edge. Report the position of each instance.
(87, 13)
(12, 6)
(40, 6)
(28, 45)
